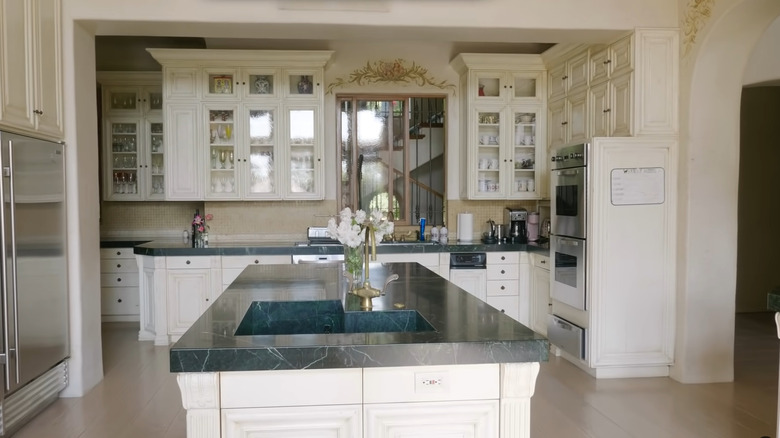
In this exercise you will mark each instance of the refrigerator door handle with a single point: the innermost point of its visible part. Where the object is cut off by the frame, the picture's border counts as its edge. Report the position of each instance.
(13, 352)
(4, 273)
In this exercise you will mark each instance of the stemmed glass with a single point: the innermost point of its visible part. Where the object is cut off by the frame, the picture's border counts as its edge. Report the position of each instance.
(213, 158)
(230, 159)
(131, 182)
(222, 158)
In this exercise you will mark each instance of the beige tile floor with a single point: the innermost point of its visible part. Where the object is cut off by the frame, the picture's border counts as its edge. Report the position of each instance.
(139, 398)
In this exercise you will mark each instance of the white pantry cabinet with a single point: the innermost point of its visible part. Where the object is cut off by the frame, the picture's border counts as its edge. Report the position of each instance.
(258, 133)
(504, 134)
(31, 77)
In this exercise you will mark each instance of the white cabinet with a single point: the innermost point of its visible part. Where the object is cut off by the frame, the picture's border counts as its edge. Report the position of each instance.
(119, 300)
(472, 281)
(258, 133)
(31, 77)
(133, 136)
(504, 130)
(540, 293)
(503, 274)
(193, 283)
(627, 88)
(431, 261)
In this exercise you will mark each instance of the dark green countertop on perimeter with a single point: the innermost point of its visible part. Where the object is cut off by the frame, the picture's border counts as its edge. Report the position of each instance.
(175, 247)
(773, 300)
(466, 330)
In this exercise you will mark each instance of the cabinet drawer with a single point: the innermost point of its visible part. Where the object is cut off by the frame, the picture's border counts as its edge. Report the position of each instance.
(508, 305)
(541, 261)
(504, 257)
(502, 287)
(503, 272)
(118, 265)
(430, 383)
(231, 262)
(119, 301)
(194, 262)
(116, 253)
(430, 259)
(119, 279)
(242, 389)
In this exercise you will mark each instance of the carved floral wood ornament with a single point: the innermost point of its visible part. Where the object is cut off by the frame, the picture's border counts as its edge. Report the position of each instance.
(699, 11)
(397, 72)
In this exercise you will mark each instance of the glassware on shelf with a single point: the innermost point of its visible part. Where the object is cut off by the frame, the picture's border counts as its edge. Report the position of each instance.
(222, 158)
(213, 158)
(230, 160)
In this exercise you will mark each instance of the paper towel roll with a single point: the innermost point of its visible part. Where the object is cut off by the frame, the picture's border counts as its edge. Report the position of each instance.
(465, 227)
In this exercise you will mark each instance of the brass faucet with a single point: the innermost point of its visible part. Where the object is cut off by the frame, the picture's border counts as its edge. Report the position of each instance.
(367, 293)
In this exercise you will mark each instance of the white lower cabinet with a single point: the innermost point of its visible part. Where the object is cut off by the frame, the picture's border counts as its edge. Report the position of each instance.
(503, 274)
(429, 260)
(193, 283)
(118, 285)
(442, 401)
(232, 266)
(540, 293)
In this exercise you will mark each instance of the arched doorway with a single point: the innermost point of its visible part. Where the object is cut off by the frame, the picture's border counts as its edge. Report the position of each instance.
(711, 87)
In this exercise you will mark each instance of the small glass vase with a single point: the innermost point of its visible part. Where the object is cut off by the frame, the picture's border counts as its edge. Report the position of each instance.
(354, 262)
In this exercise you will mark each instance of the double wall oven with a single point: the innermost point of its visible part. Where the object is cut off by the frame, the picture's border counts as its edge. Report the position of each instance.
(568, 243)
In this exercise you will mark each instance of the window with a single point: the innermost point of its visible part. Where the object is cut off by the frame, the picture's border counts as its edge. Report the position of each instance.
(393, 156)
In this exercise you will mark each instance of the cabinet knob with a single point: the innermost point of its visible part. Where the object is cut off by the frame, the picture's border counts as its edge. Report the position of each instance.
(119, 279)
(257, 262)
(565, 77)
(38, 112)
(503, 271)
(564, 123)
(607, 110)
(544, 262)
(607, 61)
(187, 262)
(118, 265)
(119, 300)
(503, 287)
(503, 257)
(502, 311)
(207, 299)
(119, 253)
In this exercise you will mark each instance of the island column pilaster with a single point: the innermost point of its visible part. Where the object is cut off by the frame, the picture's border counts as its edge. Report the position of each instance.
(518, 382)
(200, 398)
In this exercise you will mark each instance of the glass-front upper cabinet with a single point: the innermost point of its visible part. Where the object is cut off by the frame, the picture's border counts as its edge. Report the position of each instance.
(262, 181)
(302, 84)
(506, 87)
(132, 101)
(155, 166)
(305, 171)
(260, 83)
(220, 83)
(527, 153)
(222, 151)
(488, 160)
(123, 161)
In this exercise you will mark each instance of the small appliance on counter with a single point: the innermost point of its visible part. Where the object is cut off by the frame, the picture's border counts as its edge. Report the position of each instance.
(517, 219)
(533, 226)
(489, 235)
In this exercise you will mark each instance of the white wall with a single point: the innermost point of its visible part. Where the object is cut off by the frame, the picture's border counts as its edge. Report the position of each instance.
(710, 89)
(764, 63)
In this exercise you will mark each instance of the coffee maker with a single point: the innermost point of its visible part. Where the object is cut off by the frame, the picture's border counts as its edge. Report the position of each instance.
(517, 218)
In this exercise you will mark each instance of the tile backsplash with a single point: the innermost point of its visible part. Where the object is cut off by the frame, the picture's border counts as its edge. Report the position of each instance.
(268, 220)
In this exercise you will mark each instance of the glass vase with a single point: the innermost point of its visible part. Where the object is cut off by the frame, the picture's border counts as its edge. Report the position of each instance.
(354, 262)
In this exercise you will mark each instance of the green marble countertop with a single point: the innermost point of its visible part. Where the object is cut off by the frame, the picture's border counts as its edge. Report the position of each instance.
(773, 300)
(465, 329)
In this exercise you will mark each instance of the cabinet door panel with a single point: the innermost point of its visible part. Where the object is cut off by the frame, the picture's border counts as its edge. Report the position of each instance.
(540, 300)
(183, 162)
(621, 114)
(600, 110)
(48, 75)
(577, 71)
(293, 422)
(472, 281)
(16, 89)
(188, 297)
(465, 419)
(556, 120)
(508, 305)
(576, 116)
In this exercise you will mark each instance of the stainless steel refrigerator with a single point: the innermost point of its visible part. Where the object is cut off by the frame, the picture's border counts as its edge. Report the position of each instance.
(34, 293)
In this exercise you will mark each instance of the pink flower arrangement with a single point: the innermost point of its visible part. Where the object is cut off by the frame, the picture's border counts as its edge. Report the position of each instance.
(200, 223)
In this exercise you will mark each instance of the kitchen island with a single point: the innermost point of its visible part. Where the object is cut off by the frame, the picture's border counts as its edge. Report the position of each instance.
(285, 350)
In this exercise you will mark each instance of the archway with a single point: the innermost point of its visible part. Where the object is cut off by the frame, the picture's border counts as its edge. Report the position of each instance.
(711, 87)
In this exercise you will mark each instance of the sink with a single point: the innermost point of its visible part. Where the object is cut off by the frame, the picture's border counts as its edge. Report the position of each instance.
(323, 317)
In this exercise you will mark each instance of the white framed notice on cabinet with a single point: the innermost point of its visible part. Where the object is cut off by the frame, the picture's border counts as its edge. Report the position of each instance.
(637, 186)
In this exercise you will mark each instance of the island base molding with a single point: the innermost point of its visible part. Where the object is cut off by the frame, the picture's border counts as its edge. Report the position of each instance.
(478, 401)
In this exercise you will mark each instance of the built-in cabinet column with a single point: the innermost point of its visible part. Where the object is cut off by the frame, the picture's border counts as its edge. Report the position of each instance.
(257, 133)
(503, 131)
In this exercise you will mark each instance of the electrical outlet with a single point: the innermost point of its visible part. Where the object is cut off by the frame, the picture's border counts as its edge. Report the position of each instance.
(431, 382)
